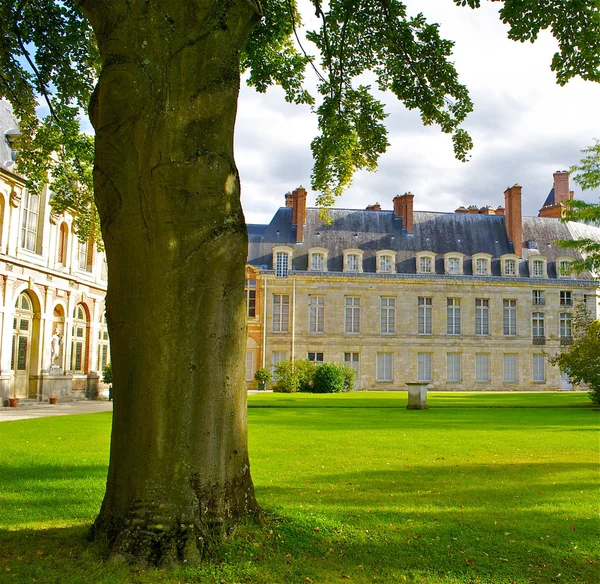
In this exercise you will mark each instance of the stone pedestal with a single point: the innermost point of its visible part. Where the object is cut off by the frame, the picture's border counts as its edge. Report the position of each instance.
(54, 382)
(417, 396)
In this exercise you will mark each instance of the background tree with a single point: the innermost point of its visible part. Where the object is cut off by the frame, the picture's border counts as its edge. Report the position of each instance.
(581, 359)
(167, 192)
(587, 176)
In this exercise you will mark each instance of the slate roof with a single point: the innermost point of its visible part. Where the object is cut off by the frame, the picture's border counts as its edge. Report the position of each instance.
(372, 231)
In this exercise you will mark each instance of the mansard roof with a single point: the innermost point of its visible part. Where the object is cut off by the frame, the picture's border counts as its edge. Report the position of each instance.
(441, 233)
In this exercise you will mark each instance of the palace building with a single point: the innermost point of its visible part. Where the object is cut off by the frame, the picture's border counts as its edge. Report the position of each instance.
(469, 300)
(54, 340)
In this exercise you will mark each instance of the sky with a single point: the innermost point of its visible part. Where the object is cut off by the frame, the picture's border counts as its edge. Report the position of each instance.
(524, 126)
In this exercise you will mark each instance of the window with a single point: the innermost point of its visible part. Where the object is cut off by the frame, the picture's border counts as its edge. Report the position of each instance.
(353, 260)
(424, 367)
(315, 357)
(282, 259)
(564, 268)
(29, 225)
(317, 259)
(388, 315)
(104, 270)
(276, 358)
(86, 255)
(482, 367)
(250, 295)
(566, 298)
(79, 344)
(482, 316)
(510, 317)
(316, 314)
(384, 367)
(537, 268)
(281, 313)
(453, 316)
(539, 368)
(61, 253)
(453, 368)
(510, 368)
(385, 264)
(103, 344)
(352, 315)
(22, 328)
(453, 263)
(537, 326)
(250, 365)
(453, 266)
(566, 326)
(481, 264)
(353, 360)
(424, 316)
(425, 265)
(538, 297)
(317, 262)
(386, 261)
(510, 267)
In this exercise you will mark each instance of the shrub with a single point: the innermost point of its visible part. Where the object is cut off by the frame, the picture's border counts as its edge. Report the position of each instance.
(286, 378)
(305, 371)
(350, 376)
(107, 376)
(262, 375)
(328, 378)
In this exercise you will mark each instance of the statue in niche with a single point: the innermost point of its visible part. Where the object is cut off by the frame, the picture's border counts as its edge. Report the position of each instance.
(55, 345)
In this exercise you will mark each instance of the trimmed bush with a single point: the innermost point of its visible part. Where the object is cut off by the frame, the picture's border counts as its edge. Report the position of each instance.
(305, 371)
(286, 378)
(350, 376)
(329, 378)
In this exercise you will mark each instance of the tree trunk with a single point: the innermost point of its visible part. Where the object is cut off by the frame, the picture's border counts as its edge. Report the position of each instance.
(168, 194)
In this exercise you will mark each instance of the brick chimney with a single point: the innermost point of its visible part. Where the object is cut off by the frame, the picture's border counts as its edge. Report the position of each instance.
(473, 210)
(500, 210)
(288, 200)
(462, 210)
(562, 194)
(487, 211)
(375, 207)
(299, 212)
(514, 222)
(403, 208)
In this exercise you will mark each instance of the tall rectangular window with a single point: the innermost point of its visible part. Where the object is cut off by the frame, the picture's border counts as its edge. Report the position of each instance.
(352, 262)
(453, 266)
(250, 365)
(424, 372)
(510, 368)
(385, 264)
(281, 313)
(316, 314)
(384, 366)
(481, 267)
(453, 316)
(352, 314)
(566, 325)
(510, 267)
(276, 358)
(537, 324)
(482, 316)
(425, 265)
(538, 297)
(317, 260)
(29, 225)
(388, 315)
(538, 268)
(424, 308)
(539, 368)
(482, 367)
(453, 367)
(282, 259)
(250, 295)
(510, 317)
(566, 298)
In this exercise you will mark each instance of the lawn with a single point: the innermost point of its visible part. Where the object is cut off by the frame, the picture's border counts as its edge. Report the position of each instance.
(479, 488)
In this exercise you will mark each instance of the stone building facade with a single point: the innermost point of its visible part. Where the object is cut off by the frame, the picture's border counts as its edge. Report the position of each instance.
(54, 340)
(469, 300)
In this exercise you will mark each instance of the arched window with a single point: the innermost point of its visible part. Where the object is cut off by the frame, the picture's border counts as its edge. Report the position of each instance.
(61, 253)
(79, 345)
(103, 350)
(22, 328)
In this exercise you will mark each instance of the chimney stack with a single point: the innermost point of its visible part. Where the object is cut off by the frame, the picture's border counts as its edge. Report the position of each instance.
(299, 212)
(375, 207)
(403, 208)
(555, 208)
(462, 210)
(288, 200)
(514, 223)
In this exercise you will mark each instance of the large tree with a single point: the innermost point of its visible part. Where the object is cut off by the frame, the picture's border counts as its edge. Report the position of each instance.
(167, 191)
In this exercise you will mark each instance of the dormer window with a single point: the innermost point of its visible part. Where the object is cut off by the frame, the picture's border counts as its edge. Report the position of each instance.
(425, 262)
(481, 264)
(317, 259)
(386, 261)
(282, 261)
(537, 267)
(353, 260)
(563, 267)
(453, 264)
(509, 265)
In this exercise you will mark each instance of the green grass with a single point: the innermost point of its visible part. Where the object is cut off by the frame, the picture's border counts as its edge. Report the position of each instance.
(479, 488)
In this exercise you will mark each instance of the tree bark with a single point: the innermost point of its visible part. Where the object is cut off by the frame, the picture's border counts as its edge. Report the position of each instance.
(167, 190)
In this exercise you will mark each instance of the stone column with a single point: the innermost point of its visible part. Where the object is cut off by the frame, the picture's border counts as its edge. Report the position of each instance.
(417, 396)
